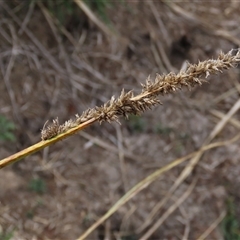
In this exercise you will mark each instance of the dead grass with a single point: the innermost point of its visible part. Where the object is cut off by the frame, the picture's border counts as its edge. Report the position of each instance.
(50, 71)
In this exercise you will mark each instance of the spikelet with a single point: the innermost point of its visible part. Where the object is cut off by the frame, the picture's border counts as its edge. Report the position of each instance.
(51, 130)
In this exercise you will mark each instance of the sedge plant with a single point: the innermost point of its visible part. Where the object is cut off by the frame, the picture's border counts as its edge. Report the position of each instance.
(130, 103)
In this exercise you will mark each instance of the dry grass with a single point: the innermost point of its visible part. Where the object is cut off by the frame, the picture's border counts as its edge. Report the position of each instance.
(98, 182)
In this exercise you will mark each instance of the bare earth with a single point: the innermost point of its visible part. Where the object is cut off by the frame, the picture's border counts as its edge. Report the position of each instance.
(46, 75)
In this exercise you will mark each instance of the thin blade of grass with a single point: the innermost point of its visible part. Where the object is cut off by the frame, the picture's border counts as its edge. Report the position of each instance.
(169, 211)
(223, 121)
(95, 19)
(220, 115)
(213, 226)
(188, 169)
(148, 180)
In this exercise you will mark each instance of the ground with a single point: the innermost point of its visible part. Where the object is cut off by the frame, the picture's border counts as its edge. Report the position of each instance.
(58, 193)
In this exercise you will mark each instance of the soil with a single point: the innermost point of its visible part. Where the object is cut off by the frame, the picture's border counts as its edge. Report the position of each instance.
(60, 192)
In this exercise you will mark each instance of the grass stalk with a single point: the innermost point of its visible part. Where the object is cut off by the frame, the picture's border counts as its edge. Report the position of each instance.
(128, 103)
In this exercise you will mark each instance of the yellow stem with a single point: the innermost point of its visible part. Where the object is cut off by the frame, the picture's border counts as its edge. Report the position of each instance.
(38, 146)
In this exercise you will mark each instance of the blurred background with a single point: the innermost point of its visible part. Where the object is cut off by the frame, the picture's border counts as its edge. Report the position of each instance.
(58, 58)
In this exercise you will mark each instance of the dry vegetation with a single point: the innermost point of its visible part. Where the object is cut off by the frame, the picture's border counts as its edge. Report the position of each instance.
(172, 173)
